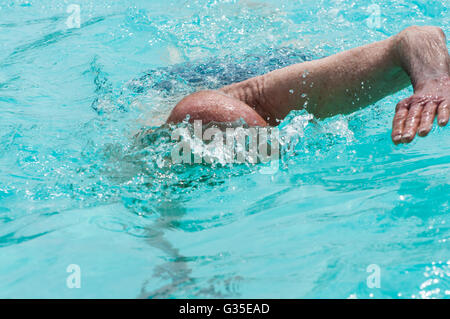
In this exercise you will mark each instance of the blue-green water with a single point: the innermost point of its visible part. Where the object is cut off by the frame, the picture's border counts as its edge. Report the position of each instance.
(75, 190)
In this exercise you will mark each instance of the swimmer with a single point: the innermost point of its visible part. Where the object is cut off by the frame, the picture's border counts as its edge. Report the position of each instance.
(341, 83)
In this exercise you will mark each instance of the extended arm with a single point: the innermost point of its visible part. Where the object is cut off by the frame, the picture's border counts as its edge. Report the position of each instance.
(347, 81)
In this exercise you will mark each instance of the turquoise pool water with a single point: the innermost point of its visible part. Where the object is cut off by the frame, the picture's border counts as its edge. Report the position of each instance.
(75, 190)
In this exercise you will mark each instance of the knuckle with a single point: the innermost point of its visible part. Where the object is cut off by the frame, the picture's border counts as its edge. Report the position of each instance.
(401, 105)
(425, 30)
(412, 28)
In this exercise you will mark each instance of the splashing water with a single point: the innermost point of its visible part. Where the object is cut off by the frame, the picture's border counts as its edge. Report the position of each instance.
(77, 186)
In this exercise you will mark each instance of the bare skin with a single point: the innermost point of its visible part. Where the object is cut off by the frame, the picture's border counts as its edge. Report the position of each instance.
(342, 83)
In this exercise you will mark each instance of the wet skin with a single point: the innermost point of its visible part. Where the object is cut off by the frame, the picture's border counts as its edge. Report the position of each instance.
(341, 83)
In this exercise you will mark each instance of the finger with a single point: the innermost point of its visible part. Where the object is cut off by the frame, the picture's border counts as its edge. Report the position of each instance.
(412, 122)
(427, 118)
(399, 121)
(443, 113)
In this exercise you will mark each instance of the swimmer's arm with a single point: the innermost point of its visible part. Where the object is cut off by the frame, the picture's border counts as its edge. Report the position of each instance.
(423, 54)
(350, 80)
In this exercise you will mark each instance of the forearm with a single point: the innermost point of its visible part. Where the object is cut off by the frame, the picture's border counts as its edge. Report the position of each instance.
(356, 78)
(347, 81)
(341, 83)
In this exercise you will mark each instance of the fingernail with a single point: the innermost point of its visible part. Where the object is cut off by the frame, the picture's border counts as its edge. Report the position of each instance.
(406, 138)
(441, 122)
(397, 137)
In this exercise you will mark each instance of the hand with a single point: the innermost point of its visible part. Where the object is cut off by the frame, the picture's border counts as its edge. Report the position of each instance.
(416, 114)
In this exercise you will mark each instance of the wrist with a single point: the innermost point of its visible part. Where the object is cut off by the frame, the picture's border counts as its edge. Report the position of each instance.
(422, 53)
(435, 81)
